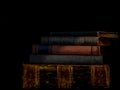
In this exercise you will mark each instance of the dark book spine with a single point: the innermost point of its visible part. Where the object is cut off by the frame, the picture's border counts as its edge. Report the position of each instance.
(66, 59)
(66, 76)
(70, 40)
(66, 50)
(87, 33)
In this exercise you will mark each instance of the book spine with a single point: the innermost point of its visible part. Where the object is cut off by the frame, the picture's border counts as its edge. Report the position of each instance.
(108, 34)
(66, 59)
(87, 33)
(30, 76)
(70, 40)
(65, 76)
(66, 50)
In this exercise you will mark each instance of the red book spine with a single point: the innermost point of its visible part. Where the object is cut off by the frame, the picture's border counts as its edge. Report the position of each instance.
(67, 50)
(82, 50)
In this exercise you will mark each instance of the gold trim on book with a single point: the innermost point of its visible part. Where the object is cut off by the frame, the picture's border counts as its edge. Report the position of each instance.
(100, 75)
(30, 76)
(107, 68)
(107, 34)
(97, 75)
(64, 76)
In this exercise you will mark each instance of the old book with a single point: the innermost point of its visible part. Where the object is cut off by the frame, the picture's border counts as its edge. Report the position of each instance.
(68, 50)
(87, 33)
(107, 34)
(65, 59)
(65, 76)
(70, 40)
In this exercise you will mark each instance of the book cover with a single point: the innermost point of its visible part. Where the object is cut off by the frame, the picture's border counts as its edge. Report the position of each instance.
(65, 76)
(87, 33)
(67, 50)
(65, 59)
(71, 40)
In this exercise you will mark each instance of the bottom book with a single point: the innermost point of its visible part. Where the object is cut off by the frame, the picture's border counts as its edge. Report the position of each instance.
(65, 76)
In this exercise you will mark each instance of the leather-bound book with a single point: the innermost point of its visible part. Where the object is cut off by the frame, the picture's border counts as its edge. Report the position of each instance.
(67, 50)
(65, 76)
(105, 34)
(65, 59)
(70, 40)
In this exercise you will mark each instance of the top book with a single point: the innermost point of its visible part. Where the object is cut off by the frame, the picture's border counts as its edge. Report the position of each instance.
(87, 33)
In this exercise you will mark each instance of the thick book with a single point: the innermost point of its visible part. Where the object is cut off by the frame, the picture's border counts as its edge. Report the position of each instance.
(65, 59)
(70, 40)
(66, 50)
(65, 76)
(87, 33)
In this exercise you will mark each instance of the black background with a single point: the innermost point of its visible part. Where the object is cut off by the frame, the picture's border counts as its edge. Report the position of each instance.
(30, 33)
(3, 19)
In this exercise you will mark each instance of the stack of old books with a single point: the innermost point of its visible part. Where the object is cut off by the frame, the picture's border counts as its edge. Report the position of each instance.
(69, 60)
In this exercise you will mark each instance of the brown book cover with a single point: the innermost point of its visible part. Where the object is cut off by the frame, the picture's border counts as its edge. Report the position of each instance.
(65, 76)
(74, 50)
